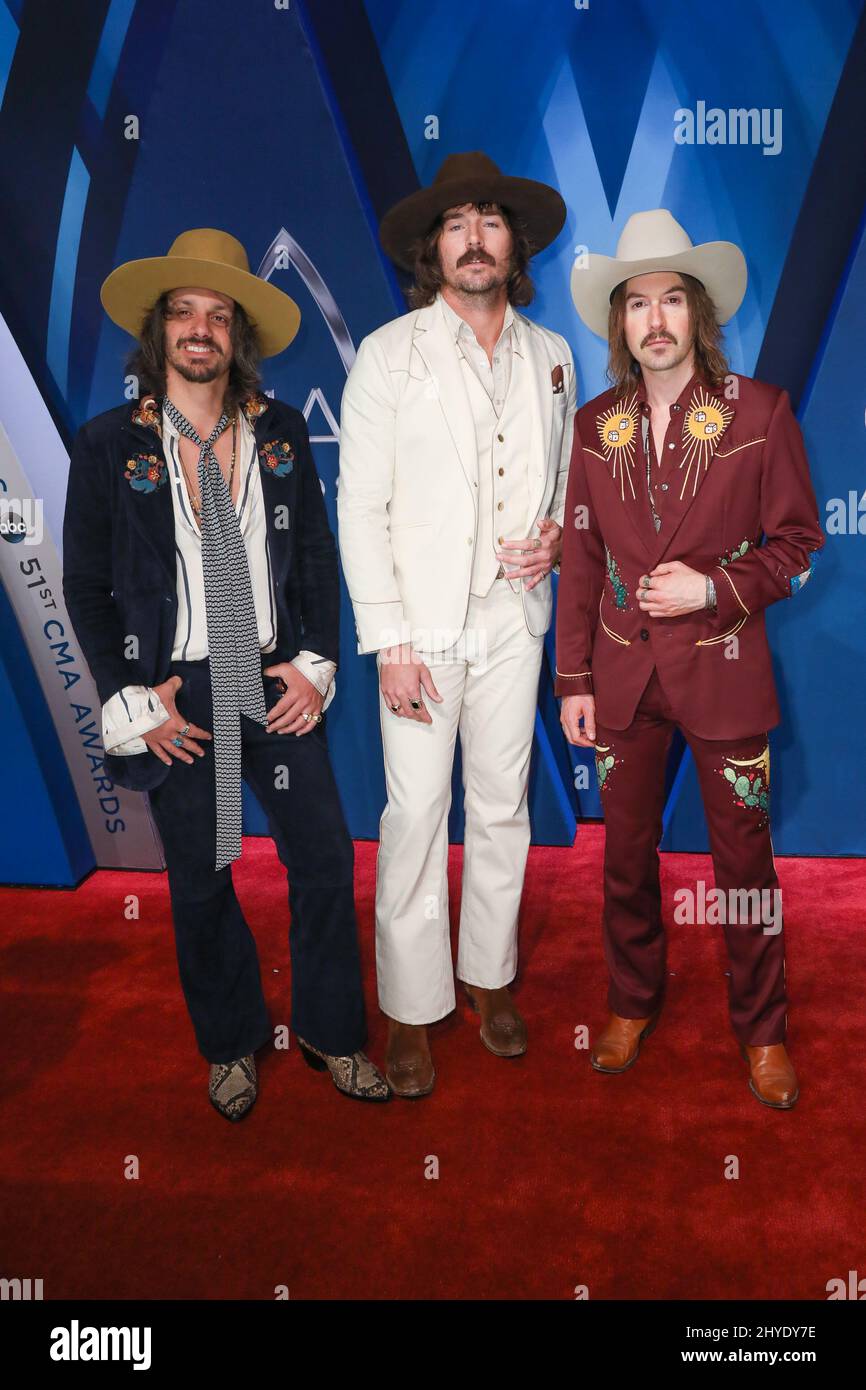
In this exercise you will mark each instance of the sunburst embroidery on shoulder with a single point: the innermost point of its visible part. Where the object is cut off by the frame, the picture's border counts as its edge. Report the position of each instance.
(255, 405)
(705, 422)
(148, 414)
(617, 430)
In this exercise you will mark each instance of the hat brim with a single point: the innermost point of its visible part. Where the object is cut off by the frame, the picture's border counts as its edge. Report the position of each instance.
(538, 206)
(719, 265)
(131, 291)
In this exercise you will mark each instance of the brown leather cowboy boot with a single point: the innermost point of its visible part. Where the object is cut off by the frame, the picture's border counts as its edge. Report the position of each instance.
(503, 1031)
(618, 1046)
(408, 1064)
(772, 1077)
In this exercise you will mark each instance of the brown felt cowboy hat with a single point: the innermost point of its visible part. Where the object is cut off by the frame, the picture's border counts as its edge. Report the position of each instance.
(202, 259)
(471, 177)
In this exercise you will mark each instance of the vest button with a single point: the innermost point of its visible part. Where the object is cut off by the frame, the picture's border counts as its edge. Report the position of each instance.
(501, 438)
(502, 472)
(499, 506)
(644, 635)
(501, 540)
(468, 540)
(664, 487)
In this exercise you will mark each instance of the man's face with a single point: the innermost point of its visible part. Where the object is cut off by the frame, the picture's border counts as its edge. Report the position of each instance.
(197, 333)
(656, 320)
(475, 250)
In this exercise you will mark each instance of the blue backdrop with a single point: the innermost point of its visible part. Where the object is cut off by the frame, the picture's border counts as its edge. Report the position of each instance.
(154, 117)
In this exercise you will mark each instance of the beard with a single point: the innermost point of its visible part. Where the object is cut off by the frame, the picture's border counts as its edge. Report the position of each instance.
(192, 369)
(472, 282)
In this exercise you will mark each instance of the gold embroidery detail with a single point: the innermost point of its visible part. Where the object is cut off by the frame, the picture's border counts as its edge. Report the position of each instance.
(617, 430)
(705, 422)
(623, 641)
(748, 444)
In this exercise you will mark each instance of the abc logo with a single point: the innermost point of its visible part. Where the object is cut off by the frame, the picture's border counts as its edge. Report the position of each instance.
(13, 527)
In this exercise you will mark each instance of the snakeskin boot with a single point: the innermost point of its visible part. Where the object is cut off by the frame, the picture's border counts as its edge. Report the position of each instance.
(233, 1087)
(355, 1076)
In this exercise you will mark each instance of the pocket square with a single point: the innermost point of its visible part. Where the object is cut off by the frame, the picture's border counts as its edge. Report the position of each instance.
(557, 381)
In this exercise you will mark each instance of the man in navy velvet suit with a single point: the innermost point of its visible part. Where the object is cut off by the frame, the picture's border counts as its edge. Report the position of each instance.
(200, 574)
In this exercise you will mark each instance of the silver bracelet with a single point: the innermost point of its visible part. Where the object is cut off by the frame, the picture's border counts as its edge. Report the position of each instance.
(711, 593)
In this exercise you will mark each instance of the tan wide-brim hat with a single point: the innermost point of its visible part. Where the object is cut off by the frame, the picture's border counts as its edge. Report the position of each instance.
(471, 177)
(202, 259)
(656, 241)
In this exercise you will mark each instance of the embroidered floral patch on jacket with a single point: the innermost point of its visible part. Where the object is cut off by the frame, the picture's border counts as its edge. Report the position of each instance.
(255, 405)
(148, 414)
(735, 554)
(278, 456)
(620, 592)
(145, 472)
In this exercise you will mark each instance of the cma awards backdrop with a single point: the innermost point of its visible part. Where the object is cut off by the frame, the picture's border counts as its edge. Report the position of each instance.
(295, 124)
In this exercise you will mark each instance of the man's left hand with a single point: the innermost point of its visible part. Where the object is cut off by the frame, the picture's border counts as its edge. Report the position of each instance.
(301, 697)
(674, 589)
(541, 554)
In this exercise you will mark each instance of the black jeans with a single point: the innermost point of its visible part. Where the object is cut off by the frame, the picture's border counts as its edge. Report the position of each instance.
(216, 951)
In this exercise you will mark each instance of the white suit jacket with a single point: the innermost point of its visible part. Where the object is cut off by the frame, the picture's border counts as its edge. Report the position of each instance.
(406, 497)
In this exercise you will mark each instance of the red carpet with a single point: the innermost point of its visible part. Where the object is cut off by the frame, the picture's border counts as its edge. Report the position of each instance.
(550, 1175)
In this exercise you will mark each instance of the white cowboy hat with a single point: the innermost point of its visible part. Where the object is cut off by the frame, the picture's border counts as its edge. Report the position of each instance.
(656, 241)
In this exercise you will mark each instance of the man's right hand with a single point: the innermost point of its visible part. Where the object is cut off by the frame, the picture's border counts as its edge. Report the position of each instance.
(402, 676)
(159, 740)
(574, 709)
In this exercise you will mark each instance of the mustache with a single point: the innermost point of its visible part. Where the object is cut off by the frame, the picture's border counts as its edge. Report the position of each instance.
(658, 338)
(471, 257)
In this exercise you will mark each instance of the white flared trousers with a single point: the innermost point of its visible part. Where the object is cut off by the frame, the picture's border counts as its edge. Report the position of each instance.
(489, 687)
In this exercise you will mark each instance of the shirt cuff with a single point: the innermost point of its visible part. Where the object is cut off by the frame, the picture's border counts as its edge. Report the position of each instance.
(129, 713)
(319, 673)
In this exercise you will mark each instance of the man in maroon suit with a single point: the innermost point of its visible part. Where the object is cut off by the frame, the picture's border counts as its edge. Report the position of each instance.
(689, 509)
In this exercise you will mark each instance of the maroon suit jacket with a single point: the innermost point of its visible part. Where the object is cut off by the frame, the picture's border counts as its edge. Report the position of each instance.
(736, 502)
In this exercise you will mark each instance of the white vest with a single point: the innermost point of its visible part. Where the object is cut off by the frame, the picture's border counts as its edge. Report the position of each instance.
(504, 446)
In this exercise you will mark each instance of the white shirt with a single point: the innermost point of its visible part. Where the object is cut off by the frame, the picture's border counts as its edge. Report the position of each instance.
(495, 376)
(137, 708)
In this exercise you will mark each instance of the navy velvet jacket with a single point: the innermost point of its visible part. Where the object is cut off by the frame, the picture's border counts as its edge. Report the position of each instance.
(119, 566)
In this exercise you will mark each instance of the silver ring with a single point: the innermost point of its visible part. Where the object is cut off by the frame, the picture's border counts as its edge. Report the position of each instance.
(318, 718)
(178, 741)
(307, 716)
(416, 704)
(395, 708)
(184, 731)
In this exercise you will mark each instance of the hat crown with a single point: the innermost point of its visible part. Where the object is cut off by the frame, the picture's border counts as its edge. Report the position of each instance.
(652, 234)
(209, 244)
(467, 164)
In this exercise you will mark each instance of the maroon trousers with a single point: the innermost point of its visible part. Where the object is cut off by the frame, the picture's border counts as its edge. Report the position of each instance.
(734, 782)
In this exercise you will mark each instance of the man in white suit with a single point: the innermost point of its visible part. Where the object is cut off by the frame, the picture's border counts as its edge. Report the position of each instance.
(455, 440)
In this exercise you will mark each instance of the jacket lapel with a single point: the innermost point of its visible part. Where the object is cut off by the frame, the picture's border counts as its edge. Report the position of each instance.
(540, 392)
(436, 348)
(705, 420)
(260, 414)
(617, 444)
(149, 498)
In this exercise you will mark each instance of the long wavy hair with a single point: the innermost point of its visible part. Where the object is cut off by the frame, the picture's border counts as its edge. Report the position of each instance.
(428, 269)
(623, 369)
(147, 360)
